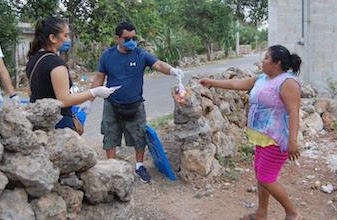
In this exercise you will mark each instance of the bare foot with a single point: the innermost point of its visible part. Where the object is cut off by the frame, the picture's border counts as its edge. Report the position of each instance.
(254, 216)
(293, 216)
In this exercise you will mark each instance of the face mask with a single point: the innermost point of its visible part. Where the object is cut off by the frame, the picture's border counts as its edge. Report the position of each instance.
(130, 45)
(65, 46)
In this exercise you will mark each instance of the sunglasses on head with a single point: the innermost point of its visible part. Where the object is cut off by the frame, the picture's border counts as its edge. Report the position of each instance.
(126, 39)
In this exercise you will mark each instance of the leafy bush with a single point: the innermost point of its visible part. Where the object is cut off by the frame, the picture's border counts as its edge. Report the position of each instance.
(332, 86)
(8, 35)
(161, 122)
(250, 35)
(167, 46)
(89, 55)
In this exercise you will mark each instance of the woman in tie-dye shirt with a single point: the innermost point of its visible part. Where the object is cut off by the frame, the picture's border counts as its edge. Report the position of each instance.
(273, 123)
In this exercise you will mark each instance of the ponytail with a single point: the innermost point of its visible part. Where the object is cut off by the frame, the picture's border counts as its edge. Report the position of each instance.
(295, 63)
(288, 61)
(38, 40)
(43, 29)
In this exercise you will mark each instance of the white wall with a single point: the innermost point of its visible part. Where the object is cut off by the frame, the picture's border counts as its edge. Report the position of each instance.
(319, 52)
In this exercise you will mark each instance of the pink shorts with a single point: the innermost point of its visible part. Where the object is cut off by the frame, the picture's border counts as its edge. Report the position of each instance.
(268, 163)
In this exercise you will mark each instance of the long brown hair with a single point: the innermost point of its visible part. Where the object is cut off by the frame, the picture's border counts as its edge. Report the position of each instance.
(44, 28)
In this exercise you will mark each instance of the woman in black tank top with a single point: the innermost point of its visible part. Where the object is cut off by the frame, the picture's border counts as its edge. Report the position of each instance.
(48, 73)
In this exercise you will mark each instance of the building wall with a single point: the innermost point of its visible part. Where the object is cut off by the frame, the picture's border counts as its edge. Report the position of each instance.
(319, 51)
(26, 36)
(22, 48)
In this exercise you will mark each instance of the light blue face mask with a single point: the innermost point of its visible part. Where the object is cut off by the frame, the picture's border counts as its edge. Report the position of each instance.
(65, 46)
(130, 44)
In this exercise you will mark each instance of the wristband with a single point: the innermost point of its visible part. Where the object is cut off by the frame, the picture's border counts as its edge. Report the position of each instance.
(13, 95)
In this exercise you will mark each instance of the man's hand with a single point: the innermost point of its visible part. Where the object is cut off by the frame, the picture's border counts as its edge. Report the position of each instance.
(86, 107)
(15, 98)
(293, 151)
(102, 91)
(177, 73)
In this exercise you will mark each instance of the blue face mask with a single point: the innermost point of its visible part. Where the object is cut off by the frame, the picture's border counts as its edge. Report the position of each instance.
(130, 44)
(65, 46)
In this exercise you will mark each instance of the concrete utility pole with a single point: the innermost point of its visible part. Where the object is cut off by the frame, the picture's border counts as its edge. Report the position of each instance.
(237, 51)
(237, 43)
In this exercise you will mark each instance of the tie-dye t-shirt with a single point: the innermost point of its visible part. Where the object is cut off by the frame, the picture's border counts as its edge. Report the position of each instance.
(268, 114)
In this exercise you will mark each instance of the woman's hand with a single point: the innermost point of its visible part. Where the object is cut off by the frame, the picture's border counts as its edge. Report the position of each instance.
(206, 82)
(293, 151)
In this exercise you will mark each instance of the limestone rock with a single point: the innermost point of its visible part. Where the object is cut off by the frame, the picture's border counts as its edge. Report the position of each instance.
(207, 105)
(73, 199)
(1, 151)
(329, 121)
(35, 171)
(105, 211)
(217, 169)
(16, 131)
(308, 109)
(307, 91)
(190, 110)
(69, 151)
(42, 137)
(322, 105)
(50, 206)
(3, 182)
(193, 129)
(333, 107)
(44, 113)
(216, 121)
(314, 121)
(225, 144)
(71, 180)
(107, 178)
(14, 205)
(308, 101)
(199, 161)
(327, 188)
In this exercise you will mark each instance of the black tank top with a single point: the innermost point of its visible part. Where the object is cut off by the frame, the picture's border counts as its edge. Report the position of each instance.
(41, 85)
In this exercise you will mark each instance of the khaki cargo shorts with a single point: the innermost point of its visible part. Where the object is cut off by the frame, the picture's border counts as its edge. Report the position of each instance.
(112, 127)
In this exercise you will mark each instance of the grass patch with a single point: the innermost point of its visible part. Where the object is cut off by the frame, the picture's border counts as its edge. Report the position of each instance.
(160, 122)
(247, 152)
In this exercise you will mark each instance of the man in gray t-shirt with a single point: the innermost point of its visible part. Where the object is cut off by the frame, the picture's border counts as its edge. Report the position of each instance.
(6, 81)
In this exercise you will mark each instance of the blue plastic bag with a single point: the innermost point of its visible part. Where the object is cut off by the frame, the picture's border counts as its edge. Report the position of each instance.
(158, 154)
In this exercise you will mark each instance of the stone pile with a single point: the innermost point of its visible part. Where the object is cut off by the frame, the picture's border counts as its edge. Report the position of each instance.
(317, 115)
(54, 174)
(200, 59)
(209, 126)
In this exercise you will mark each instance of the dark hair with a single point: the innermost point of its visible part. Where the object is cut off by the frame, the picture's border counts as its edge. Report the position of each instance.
(43, 29)
(124, 26)
(288, 61)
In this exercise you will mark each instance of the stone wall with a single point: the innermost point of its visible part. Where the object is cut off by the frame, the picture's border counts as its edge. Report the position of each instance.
(54, 174)
(211, 123)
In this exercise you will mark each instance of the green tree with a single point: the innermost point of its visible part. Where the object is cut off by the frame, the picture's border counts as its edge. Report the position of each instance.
(36, 9)
(8, 34)
(145, 16)
(97, 30)
(258, 11)
(209, 20)
(167, 45)
(253, 11)
(170, 13)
